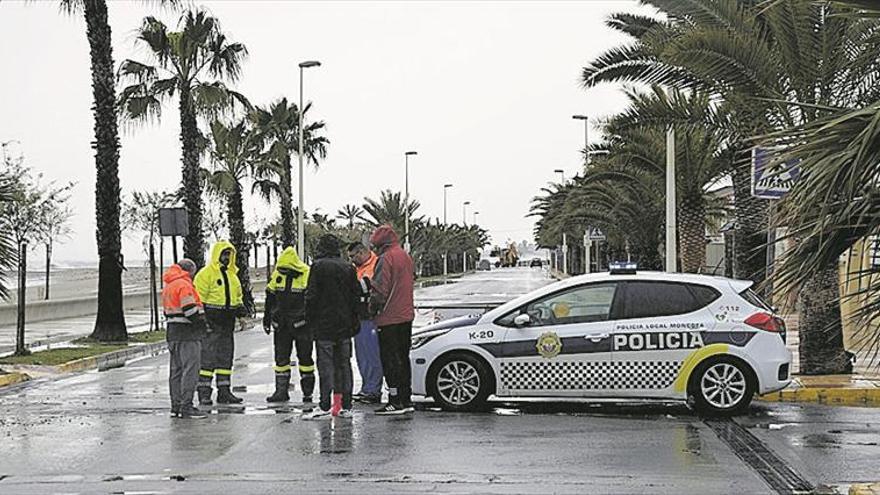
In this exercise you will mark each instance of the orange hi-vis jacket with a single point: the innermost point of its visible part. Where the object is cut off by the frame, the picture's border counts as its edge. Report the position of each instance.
(180, 301)
(369, 267)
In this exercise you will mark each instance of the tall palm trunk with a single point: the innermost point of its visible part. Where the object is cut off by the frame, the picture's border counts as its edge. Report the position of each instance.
(692, 234)
(821, 334)
(288, 229)
(110, 322)
(750, 233)
(194, 242)
(238, 237)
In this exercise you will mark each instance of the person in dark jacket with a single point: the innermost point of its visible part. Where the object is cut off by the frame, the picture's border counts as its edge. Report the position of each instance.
(393, 300)
(285, 313)
(332, 298)
(185, 328)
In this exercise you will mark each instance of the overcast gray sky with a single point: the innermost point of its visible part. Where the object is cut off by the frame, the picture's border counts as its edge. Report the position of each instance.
(484, 91)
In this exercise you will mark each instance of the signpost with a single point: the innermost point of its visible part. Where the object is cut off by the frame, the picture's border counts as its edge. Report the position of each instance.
(771, 180)
(592, 234)
(173, 222)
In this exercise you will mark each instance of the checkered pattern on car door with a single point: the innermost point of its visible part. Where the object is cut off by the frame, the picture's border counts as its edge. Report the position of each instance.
(572, 375)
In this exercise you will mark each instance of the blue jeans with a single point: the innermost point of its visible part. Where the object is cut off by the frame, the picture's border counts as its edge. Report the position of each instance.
(366, 348)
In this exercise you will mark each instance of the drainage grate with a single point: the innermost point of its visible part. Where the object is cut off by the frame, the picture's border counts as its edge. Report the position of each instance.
(770, 467)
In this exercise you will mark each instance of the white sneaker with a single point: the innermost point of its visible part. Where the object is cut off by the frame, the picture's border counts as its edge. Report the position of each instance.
(316, 414)
(346, 413)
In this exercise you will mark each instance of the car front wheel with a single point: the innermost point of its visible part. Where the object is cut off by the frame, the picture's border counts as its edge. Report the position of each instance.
(721, 387)
(460, 382)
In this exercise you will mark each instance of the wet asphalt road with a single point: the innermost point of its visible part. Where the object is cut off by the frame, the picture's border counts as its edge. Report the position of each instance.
(110, 432)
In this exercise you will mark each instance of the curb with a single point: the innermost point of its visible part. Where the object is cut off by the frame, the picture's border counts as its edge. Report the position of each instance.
(13, 378)
(863, 397)
(865, 489)
(110, 360)
(113, 359)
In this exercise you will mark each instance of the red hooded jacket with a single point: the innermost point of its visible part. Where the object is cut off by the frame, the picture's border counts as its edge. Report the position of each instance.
(393, 279)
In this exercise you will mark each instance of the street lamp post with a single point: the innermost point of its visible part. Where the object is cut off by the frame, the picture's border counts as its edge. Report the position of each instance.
(464, 224)
(476, 214)
(561, 175)
(300, 218)
(586, 120)
(671, 226)
(445, 253)
(445, 188)
(406, 212)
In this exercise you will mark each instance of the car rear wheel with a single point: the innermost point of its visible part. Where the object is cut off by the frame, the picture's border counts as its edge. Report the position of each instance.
(721, 387)
(460, 382)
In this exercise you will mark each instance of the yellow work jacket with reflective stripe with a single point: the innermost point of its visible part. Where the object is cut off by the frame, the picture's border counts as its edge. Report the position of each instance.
(217, 287)
(285, 292)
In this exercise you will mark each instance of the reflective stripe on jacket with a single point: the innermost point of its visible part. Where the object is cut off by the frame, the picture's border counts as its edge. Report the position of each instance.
(285, 292)
(180, 301)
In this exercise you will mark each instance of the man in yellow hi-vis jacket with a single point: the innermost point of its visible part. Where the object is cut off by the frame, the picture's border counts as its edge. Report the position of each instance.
(220, 291)
(286, 313)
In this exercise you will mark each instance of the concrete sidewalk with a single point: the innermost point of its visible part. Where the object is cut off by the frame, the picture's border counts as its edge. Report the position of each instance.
(43, 333)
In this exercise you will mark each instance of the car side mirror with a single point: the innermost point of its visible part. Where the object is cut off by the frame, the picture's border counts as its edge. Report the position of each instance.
(522, 320)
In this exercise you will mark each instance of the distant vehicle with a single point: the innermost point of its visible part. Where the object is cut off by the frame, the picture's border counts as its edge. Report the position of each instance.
(709, 341)
(484, 265)
(536, 263)
(504, 257)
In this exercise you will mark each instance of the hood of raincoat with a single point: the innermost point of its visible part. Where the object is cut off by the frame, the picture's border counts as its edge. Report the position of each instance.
(328, 247)
(218, 248)
(383, 238)
(289, 265)
(174, 272)
(290, 260)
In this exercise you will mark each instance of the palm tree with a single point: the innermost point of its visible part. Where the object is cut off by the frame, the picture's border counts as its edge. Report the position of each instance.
(351, 214)
(835, 205)
(182, 59)
(110, 320)
(8, 256)
(279, 126)
(701, 161)
(324, 222)
(234, 149)
(776, 65)
(390, 209)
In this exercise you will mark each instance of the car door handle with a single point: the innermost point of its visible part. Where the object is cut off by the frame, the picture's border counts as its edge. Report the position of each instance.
(597, 336)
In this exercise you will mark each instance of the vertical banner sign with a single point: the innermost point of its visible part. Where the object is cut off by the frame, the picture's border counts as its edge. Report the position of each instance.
(772, 181)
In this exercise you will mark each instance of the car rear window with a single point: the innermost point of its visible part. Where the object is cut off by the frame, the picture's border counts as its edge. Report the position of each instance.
(649, 299)
(754, 299)
(704, 294)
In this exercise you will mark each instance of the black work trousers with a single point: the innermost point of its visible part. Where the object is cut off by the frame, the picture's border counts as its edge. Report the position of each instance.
(218, 349)
(284, 340)
(394, 346)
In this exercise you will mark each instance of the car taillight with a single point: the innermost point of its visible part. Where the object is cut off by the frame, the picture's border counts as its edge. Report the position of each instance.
(767, 322)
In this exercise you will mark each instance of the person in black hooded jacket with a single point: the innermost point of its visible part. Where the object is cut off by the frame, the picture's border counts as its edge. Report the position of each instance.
(332, 302)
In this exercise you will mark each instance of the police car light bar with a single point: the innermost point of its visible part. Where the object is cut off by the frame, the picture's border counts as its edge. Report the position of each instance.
(622, 268)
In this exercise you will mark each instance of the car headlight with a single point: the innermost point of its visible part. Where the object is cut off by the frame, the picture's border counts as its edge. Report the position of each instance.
(420, 339)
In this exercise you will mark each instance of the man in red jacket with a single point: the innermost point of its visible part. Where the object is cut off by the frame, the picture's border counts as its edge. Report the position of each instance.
(393, 299)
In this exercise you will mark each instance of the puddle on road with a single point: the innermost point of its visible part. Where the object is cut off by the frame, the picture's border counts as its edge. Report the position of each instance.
(501, 411)
(773, 426)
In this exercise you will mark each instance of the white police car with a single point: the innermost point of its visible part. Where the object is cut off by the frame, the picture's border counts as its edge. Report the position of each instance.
(622, 335)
